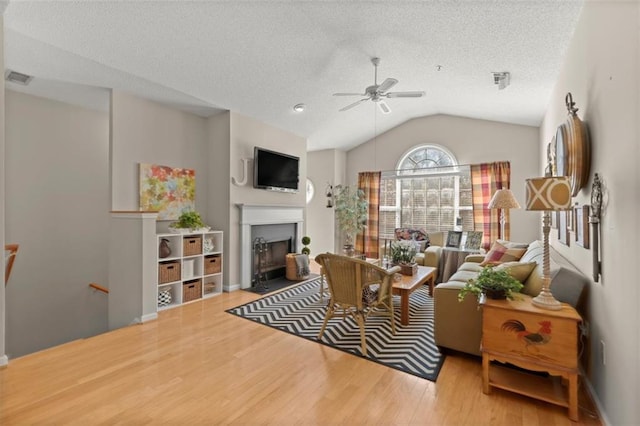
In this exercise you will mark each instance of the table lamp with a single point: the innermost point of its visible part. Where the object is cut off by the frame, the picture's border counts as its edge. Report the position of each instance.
(547, 194)
(503, 199)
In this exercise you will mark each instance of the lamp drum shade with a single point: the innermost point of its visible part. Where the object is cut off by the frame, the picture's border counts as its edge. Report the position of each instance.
(548, 193)
(503, 199)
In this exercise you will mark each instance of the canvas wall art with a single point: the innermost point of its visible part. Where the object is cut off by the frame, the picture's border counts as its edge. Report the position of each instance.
(168, 190)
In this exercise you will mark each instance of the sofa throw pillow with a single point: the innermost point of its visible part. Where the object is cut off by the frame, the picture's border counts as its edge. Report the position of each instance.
(419, 235)
(512, 244)
(518, 270)
(500, 254)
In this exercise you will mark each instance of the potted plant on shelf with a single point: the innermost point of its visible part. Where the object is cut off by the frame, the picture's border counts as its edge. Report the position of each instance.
(493, 283)
(189, 221)
(403, 254)
(351, 214)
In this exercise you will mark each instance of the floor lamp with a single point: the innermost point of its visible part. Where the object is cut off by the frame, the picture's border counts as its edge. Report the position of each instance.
(547, 194)
(503, 199)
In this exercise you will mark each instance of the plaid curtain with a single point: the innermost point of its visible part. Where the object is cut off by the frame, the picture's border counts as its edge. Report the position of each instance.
(367, 240)
(485, 180)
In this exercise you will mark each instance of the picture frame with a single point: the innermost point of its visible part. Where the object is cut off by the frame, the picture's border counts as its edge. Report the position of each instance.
(563, 231)
(454, 238)
(473, 240)
(570, 220)
(582, 226)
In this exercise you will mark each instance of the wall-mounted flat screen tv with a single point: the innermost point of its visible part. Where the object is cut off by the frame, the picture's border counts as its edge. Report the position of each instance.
(275, 171)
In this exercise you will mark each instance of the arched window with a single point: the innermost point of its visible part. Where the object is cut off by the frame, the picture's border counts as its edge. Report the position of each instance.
(429, 190)
(425, 157)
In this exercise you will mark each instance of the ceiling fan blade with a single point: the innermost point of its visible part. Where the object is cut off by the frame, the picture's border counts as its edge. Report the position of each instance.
(355, 104)
(387, 84)
(384, 107)
(349, 94)
(405, 94)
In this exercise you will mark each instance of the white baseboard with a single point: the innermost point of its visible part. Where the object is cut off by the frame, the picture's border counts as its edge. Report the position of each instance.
(4, 361)
(149, 317)
(594, 397)
(229, 288)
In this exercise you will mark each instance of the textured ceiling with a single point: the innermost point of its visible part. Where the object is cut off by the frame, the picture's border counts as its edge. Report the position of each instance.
(260, 58)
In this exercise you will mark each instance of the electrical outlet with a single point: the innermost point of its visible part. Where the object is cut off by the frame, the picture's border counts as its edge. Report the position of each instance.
(602, 353)
(584, 329)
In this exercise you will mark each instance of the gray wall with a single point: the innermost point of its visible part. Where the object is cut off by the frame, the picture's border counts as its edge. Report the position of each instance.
(601, 70)
(57, 192)
(3, 357)
(144, 131)
(324, 167)
(471, 141)
(246, 133)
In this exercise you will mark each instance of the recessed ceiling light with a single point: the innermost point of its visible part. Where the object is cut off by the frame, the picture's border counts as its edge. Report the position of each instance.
(299, 107)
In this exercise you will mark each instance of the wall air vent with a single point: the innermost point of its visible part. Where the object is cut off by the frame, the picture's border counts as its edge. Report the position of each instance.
(17, 77)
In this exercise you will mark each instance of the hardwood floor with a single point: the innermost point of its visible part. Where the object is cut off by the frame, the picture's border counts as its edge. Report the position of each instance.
(199, 365)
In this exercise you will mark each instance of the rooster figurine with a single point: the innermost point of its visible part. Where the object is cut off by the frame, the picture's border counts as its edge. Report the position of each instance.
(541, 337)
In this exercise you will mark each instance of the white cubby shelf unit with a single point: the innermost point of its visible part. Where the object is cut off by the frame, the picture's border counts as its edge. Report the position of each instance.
(193, 269)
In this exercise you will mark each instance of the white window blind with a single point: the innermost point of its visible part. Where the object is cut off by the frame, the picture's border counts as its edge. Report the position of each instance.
(428, 191)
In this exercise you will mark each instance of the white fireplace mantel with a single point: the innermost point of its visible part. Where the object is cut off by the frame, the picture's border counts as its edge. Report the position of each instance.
(252, 214)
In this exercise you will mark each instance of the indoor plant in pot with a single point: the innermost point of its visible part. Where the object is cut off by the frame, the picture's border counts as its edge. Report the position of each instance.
(403, 253)
(305, 242)
(493, 282)
(351, 214)
(189, 221)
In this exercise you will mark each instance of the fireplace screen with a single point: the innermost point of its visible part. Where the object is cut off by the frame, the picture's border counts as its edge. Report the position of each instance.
(269, 259)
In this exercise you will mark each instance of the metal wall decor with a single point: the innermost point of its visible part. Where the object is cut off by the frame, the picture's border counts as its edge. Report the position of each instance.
(594, 219)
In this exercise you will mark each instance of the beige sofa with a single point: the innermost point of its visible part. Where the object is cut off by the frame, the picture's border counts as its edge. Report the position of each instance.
(431, 255)
(458, 325)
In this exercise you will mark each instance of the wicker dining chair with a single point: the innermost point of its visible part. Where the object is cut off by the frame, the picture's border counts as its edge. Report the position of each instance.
(351, 284)
(10, 252)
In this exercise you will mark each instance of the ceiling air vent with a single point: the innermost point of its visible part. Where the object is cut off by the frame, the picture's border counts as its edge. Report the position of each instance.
(17, 77)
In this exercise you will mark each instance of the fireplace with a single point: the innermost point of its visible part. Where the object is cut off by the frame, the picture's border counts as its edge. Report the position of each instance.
(272, 223)
(269, 259)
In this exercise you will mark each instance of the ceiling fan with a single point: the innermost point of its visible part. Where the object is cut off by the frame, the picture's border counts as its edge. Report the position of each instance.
(377, 92)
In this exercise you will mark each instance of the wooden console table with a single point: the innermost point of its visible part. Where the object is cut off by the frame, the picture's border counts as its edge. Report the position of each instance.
(518, 333)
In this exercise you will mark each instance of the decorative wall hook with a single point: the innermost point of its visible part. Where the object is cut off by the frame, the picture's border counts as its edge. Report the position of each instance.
(245, 168)
(329, 194)
(594, 219)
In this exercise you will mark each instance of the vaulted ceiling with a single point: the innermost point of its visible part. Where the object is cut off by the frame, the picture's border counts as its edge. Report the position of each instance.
(260, 58)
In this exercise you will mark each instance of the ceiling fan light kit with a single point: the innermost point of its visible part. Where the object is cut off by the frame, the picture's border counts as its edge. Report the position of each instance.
(377, 92)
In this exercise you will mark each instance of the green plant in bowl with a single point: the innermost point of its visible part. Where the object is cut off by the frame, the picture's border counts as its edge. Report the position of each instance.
(189, 220)
(492, 282)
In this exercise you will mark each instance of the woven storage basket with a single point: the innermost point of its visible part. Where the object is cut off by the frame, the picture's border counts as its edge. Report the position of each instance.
(168, 272)
(292, 268)
(192, 246)
(209, 288)
(191, 290)
(212, 264)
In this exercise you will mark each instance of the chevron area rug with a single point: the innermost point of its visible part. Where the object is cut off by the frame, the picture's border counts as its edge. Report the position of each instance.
(299, 311)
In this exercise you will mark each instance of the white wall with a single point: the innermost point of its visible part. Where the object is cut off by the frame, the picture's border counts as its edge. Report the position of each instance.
(471, 141)
(144, 131)
(56, 205)
(601, 71)
(245, 134)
